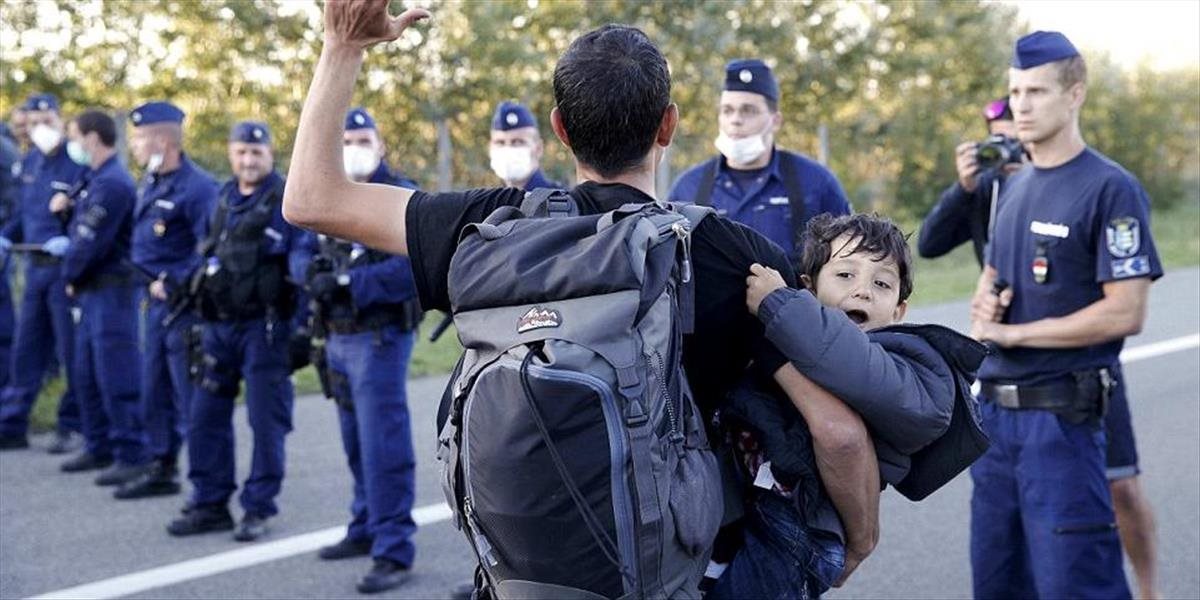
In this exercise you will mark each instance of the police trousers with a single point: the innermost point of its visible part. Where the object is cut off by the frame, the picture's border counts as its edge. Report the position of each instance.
(247, 350)
(167, 387)
(107, 372)
(377, 437)
(1042, 523)
(44, 327)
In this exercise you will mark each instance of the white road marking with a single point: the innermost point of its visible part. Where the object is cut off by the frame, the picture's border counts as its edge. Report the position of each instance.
(221, 562)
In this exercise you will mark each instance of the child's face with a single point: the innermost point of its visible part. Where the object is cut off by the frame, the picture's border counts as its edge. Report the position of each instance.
(866, 289)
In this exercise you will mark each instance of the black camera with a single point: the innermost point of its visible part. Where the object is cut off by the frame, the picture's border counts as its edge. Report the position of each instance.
(998, 150)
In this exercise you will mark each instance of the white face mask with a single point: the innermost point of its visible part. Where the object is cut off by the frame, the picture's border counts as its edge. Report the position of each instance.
(45, 138)
(742, 151)
(76, 152)
(513, 165)
(154, 163)
(359, 162)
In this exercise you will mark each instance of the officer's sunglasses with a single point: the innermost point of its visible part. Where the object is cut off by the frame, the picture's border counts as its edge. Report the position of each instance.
(995, 109)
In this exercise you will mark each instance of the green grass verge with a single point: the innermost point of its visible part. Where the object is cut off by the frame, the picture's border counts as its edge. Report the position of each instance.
(951, 277)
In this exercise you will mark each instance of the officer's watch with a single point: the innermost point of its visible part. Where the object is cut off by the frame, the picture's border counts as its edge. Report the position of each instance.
(343, 279)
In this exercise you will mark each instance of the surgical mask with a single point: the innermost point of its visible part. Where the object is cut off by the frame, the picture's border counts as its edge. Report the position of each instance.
(45, 138)
(154, 163)
(512, 164)
(359, 162)
(76, 152)
(744, 150)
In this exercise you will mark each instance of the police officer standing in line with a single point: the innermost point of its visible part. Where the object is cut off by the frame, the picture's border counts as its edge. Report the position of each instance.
(773, 191)
(963, 212)
(369, 311)
(247, 296)
(45, 318)
(515, 148)
(171, 217)
(10, 157)
(95, 256)
(1067, 278)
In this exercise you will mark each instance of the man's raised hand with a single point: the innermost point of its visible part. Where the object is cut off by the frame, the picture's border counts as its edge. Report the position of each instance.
(360, 24)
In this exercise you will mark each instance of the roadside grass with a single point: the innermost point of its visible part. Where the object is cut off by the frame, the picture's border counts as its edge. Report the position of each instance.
(951, 277)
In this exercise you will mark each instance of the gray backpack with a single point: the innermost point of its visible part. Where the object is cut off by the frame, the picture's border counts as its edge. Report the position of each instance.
(573, 456)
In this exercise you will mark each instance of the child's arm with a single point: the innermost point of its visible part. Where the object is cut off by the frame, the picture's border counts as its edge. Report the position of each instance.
(845, 460)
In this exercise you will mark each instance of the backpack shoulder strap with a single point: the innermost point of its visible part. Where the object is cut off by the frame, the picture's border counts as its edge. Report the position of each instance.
(548, 202)
(709, 178)
(694, 213)
(795, 192)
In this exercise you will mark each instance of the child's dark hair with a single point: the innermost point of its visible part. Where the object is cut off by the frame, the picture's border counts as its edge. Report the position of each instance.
(876, 235)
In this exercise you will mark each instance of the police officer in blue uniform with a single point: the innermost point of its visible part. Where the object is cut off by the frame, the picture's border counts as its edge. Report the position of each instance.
(10, 157)
(367, 306)
(1067, 278)
(45, 323)
(171, 217)
(95, 267)
(964, 211)
(247, 296)
(773, 191)
(515, 148)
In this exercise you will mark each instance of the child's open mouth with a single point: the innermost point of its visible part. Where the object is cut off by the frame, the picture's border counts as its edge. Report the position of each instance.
(859, 317)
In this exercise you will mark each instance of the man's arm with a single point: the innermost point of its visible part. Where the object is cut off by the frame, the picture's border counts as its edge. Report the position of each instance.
(1120, 313)
(319, 197)
(845, 459)
(947, 225)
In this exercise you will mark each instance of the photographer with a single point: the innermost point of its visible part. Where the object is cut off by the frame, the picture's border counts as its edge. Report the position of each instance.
(965, 208)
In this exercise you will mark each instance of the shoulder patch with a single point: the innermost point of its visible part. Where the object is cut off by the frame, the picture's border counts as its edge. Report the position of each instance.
(1130, 267)
(1124, 237)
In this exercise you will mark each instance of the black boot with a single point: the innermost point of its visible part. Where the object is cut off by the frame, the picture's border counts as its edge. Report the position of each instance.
(385, 575)
(345, 548)
(85, 461)
(251, 528)
(121, 473)
(201, 519)
(159, 480)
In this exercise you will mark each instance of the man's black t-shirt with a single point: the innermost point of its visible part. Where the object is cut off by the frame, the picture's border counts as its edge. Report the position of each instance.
(727, 337)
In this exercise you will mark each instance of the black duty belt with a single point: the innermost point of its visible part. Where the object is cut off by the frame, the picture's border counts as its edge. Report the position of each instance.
(41, 259)
(1018, 397)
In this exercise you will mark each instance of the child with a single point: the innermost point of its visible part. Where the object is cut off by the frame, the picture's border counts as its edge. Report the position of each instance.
(909, 384)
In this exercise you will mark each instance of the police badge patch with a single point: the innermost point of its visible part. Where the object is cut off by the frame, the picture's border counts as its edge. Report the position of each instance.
(1124, 235)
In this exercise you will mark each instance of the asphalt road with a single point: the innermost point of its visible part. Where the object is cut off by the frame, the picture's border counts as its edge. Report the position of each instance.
(60, 531)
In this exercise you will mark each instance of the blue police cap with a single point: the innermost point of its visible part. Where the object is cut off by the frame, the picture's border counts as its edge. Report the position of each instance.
(1041, 47)
(512, 115)
(156, 112)
(359, 118)
(41, 102)
(250, 132)
(751, 75)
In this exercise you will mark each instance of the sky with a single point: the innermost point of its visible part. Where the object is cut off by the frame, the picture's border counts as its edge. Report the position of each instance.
(1164, 32)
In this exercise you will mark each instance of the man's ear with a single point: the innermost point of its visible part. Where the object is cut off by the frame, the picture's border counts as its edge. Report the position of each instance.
(666, 127)
(807, 282)
(560, 131)
(901, 310)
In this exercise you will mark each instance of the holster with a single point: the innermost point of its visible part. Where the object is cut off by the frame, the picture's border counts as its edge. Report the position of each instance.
(1093, 388)
(334, 385)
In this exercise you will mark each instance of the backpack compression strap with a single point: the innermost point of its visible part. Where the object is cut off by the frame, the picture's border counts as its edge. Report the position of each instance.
(548, 202)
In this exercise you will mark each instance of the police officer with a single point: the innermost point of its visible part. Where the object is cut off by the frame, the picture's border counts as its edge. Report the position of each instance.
(246, 300)
(45, 323)
(963, 212)
(95, 268)
(515, 147)
(751, 181)
(1067, 277)
(9, 157)
(171, 217)
(367, 305)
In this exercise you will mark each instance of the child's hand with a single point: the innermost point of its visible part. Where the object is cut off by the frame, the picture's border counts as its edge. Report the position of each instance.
(761, 282)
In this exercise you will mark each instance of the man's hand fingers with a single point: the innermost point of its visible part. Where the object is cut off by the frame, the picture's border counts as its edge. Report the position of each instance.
(1006, 297)
(758, 269)
(406, 19)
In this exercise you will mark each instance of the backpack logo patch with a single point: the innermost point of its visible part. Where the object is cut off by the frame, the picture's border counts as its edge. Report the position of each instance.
(538, 318)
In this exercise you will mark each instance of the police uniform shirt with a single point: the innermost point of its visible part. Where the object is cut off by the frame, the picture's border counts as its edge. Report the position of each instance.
(727, 336)
(960, 216)
(101, 227)
(763, 203)
(42, 176)
(171, 218)
(279, 237)
(1060, 234)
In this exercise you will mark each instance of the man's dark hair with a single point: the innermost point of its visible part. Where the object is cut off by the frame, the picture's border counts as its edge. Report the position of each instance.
(98, 121)
(612, 88)
(876, 235)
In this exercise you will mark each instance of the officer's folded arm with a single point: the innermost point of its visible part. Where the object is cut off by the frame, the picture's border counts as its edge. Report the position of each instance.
(318, 196)
(1120, 313)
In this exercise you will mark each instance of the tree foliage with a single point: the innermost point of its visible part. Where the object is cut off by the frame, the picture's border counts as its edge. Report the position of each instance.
(896, 84)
